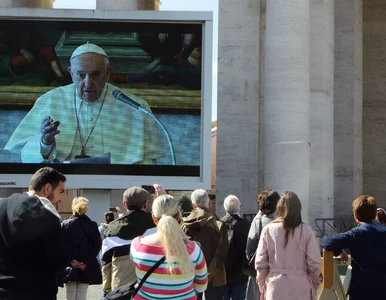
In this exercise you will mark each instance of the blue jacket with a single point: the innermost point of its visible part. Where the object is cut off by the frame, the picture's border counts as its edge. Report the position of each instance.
(367, 245)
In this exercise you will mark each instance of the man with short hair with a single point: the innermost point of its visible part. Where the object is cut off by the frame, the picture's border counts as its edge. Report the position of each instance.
(367, 245)
(31, 245)
(117, 267)
(207, 229)
(238, 229)
(84, 120)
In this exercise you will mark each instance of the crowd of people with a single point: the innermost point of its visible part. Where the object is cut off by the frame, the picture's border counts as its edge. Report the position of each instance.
(175, 257)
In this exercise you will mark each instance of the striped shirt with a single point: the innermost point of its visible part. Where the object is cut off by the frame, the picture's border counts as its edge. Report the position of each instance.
(161, 284)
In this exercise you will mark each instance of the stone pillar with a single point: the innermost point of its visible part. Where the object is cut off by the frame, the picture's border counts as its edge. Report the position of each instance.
(27, 3)
(287, 99)
(238, 103)
(322, 110)
(374, 108)
(348, 104)
(128, 4)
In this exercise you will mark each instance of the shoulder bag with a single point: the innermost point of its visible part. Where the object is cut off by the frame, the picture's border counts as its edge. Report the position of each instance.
(128, 291)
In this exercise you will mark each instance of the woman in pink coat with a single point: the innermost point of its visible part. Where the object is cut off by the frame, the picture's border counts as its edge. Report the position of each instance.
(288, 258)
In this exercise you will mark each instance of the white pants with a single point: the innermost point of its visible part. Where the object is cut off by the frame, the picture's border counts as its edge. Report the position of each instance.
(76, 290)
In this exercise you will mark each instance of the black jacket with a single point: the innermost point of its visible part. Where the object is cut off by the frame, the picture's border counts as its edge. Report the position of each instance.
(31, 246)
(238, 229)
(82, 237)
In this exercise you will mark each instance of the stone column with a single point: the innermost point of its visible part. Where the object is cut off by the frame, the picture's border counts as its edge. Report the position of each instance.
(128, 4)
(287, 99)
(238, 103)
(374, 105)
(348, 104)
(322, 110)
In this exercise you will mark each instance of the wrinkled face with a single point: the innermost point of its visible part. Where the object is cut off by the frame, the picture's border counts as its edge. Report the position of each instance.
(56, 195)
(89, 73)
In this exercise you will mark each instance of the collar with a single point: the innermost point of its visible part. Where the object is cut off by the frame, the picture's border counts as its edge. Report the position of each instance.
(236, 214)
(47, 204)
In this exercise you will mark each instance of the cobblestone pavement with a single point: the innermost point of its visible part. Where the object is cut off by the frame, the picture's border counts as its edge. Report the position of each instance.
(94, 292)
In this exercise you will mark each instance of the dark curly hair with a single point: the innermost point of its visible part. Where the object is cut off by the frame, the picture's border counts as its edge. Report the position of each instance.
(267, 201)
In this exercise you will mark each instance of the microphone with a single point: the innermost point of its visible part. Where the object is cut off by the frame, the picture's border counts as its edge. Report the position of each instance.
(117, 94)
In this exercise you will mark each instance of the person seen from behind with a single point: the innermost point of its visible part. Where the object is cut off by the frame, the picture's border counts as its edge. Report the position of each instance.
(207, 229)
(238, 229)
(184, 272)
(266, 201)
(83, 239)
(107, 217)
(288, 260)
(117, 267)
(381, 216)
(367, 245)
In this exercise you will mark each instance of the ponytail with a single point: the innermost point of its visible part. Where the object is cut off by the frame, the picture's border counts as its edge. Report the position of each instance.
(174, 242)
(173, 239)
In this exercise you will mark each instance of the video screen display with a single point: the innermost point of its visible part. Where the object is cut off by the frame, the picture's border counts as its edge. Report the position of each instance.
(97, 97)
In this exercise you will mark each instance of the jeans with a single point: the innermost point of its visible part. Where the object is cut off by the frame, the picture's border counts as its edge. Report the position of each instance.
(212, 293)
(234, 291)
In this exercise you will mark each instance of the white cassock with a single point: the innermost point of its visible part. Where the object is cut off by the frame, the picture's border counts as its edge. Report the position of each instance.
(129, 135)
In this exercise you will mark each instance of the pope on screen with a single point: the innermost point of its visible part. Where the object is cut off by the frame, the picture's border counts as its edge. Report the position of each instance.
(83, 120)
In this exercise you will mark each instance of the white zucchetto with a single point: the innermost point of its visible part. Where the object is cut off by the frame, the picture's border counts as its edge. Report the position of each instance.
(88, 48)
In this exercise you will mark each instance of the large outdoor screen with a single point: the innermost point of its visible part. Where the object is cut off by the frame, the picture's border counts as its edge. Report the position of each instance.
(113, 100)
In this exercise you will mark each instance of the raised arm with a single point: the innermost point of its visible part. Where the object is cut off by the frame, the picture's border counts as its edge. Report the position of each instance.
(338, 242)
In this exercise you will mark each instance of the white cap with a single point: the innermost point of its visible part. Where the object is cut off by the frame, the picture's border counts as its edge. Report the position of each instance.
(88, 48)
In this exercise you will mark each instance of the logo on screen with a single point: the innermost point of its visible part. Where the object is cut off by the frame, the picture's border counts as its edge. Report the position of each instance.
(7, 183)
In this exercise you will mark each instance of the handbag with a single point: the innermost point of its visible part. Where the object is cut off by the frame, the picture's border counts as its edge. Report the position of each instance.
(249, 269)
(128, 291)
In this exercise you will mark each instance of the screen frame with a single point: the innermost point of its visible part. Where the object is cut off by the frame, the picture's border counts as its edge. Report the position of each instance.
(86, 181)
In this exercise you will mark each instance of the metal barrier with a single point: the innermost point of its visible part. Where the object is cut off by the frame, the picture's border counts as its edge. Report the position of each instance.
(337, 225)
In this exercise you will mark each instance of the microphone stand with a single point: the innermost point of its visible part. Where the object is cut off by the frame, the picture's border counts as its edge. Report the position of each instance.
(150, 114)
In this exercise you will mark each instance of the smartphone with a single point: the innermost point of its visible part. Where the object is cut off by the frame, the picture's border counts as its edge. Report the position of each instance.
(113, 209)
(149, 188)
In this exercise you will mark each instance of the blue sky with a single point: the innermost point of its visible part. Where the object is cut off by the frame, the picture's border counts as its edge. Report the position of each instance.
(195, 5)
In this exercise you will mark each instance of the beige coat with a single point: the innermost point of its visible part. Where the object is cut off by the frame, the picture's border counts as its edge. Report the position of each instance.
(212, 235)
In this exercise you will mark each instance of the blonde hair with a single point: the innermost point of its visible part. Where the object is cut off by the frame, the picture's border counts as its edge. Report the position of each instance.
(173, 238)
(79, 206)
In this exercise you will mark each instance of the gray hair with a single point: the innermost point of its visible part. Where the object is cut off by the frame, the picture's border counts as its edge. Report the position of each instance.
(200, 198)
(232, 204)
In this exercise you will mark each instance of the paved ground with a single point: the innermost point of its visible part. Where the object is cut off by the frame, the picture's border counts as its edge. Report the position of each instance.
(94, 292)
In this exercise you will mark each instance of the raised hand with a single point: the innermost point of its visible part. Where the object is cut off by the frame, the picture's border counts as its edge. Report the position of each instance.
(48, 130)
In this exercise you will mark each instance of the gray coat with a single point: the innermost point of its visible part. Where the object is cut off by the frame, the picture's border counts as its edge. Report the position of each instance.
(254, 232)
(252, 243)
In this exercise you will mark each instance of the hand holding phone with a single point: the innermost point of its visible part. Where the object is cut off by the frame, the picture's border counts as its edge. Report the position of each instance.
(149, 188)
